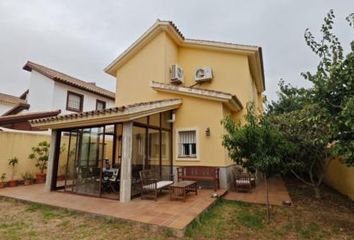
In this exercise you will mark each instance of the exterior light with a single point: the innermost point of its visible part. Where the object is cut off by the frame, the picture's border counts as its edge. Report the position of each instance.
(207, 132)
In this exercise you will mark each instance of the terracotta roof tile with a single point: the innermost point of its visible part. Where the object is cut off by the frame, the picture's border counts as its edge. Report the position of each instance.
(69, 80)
(122, 109)
(26, 116)
(10, 99)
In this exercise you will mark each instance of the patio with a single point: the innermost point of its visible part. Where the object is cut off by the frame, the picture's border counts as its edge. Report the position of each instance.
(277, 193)
(164, 213)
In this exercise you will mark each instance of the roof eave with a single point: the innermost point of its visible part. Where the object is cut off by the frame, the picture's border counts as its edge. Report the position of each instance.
(104, 118)
(231, 101)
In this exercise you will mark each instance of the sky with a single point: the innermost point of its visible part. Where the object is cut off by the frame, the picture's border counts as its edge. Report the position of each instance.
(81, 37)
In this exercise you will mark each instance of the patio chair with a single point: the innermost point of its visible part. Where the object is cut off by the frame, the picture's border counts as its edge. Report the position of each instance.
(106, 183)
(151, 186)
(115, 179)
(242, 181)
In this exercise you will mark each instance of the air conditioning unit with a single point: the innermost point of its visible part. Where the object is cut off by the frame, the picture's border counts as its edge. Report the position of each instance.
(176, 74)
(203, 74)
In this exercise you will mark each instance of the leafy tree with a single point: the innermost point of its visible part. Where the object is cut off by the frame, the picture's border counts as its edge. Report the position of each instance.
(310, 156)
(289, 99)
(255, 145)
(333, 87)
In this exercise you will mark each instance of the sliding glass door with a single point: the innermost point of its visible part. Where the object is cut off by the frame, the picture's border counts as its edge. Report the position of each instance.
(89, 161)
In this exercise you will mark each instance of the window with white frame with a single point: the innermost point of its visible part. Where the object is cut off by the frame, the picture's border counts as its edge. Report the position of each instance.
(187, 144)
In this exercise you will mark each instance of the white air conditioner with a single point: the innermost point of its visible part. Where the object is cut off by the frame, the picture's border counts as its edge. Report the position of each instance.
(176, 74)
(203, 74)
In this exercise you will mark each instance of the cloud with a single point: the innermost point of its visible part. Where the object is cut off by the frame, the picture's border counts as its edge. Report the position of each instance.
(82, 37)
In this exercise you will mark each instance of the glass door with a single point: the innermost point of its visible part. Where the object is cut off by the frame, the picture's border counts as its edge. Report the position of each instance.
(88, 165)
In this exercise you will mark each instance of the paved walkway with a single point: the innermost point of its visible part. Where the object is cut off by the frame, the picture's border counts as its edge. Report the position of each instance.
(277, 193)
(173, 214)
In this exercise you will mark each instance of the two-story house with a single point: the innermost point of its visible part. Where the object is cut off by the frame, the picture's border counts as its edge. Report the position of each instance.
(50, 93)
(172, 94)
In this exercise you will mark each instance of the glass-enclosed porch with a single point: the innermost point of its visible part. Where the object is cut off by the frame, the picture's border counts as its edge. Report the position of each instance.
(105, 160)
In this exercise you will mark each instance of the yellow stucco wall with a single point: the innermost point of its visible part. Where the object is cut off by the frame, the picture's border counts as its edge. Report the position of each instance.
(18, 145)
(341, 177)
(231, 74)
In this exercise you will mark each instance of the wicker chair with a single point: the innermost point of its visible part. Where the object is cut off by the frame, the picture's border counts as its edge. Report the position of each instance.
(151, 185)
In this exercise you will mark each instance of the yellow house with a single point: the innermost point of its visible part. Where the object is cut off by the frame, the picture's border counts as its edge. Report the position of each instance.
(172, 93)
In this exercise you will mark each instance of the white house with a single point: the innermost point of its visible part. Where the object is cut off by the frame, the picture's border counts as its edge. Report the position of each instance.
(50, 93)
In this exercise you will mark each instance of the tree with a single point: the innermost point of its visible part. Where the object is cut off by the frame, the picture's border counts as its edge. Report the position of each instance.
(289, 99)
(319, 121)
(333, 87)
(255, 145)
(310, 156)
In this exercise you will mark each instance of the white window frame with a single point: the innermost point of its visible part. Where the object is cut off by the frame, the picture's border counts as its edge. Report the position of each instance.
(178, 157)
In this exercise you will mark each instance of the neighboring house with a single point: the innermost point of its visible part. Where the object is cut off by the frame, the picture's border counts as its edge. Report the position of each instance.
(172, 94)
(51, 92)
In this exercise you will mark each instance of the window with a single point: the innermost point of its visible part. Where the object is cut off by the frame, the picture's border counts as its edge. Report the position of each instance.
(187, 144)
(74, 102)
(100, 105)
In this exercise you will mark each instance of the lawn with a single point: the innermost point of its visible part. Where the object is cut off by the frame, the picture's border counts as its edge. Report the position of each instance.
(329, 218)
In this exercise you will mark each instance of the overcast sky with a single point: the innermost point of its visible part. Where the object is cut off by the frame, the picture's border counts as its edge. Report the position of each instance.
(81, 37)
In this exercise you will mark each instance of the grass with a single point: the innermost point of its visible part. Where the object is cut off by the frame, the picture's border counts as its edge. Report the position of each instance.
(329, 218)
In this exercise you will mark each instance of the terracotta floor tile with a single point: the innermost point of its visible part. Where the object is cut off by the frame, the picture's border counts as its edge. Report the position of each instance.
(175, 214)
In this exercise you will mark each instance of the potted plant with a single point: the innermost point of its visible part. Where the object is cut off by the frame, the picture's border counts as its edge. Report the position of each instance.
(2, 180)
(13, 163)
(27, 178)
(40, 154)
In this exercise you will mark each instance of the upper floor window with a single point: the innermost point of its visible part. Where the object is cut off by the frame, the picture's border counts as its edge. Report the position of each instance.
(100, 105)
(187, 144)
(74, 102)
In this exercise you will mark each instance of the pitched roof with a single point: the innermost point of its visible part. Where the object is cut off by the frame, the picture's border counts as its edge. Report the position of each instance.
(16, 109)
(69, 80)
(4, 120)
(107, 116)
(10, 99)
(254, 53)
(229, 99)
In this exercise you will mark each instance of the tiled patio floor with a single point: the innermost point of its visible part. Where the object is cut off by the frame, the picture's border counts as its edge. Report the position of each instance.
(173, 214)
(277, 193)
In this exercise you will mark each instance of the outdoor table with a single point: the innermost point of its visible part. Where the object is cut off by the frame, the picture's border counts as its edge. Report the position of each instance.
(179, 190)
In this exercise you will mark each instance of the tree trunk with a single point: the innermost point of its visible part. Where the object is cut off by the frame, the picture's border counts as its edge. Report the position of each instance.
(268, 205)
(317, 192)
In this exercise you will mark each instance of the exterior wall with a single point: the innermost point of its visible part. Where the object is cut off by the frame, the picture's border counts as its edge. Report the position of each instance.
(40, 96)
(231, 74)
(46, 95)
(134, 77)
(341, 177)
(209, 149)
(18, 144)
(60, 95)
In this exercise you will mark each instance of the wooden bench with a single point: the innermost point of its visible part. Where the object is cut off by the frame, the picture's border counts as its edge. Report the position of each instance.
(199, 173)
